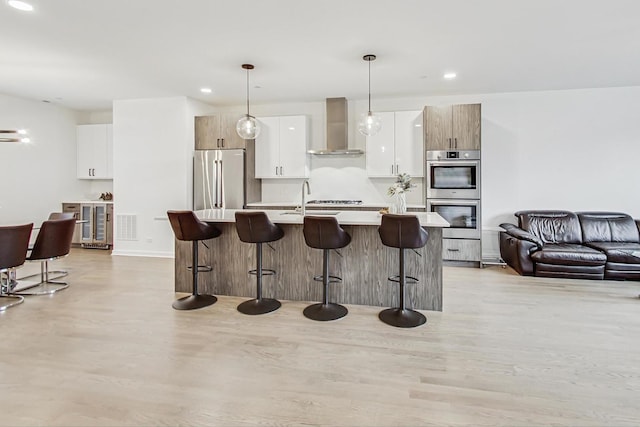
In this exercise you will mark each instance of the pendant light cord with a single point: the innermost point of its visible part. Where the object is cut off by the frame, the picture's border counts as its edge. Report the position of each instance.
(247, 92)
(369, 61)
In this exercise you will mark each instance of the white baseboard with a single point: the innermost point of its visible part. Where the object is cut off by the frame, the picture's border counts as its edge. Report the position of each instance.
(152, 254)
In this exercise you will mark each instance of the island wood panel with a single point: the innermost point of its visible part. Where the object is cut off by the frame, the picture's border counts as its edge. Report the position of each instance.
(364, 266)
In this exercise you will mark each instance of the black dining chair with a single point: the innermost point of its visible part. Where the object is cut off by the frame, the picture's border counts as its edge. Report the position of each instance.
(14, 242)
(52, 242)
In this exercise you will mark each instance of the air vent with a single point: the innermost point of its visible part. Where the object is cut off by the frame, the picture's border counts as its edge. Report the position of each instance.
(126, 226)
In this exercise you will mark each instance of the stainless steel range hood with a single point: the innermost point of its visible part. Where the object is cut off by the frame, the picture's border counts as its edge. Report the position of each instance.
(337, 125)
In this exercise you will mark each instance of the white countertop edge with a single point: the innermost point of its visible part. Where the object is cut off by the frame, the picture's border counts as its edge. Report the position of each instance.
(427, 219)
(89, 201)
(329, 206)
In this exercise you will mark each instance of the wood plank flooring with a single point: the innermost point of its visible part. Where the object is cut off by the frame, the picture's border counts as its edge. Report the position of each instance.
(506, 350)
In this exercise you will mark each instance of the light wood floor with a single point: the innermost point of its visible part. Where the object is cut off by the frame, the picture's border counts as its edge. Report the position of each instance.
(506, 350)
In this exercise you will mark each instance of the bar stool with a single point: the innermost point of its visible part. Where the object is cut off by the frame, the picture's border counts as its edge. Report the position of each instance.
(402, 232)
(187, 227)
(325, 233)
(255, 227)
(14, 241)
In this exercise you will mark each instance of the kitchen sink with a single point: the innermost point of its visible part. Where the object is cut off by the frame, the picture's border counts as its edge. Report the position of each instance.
(310, 212)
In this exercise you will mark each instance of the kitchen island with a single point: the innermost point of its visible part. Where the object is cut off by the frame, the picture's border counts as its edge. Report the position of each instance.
(364, 264)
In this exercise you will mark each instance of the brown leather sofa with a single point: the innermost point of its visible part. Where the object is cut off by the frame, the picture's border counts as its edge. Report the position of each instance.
(583, 245)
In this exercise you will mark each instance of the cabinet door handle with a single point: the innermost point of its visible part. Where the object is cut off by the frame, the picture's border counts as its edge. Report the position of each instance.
(453, 250)
(391, 169)
(222, 141)
(276, 170)
(450, 143)
(281, 173)
(455, 141)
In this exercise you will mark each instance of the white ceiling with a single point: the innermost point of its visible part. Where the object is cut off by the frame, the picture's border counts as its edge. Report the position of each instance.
(83, 54)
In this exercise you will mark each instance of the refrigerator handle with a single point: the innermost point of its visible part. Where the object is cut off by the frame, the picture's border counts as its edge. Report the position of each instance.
(215, 183)
(221, 186)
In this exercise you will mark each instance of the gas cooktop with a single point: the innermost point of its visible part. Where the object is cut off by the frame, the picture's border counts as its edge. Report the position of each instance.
(335, 202)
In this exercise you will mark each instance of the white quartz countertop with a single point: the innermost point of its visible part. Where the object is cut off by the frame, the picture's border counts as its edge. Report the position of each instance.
(89, 201)
(377, 205)
(427, 219)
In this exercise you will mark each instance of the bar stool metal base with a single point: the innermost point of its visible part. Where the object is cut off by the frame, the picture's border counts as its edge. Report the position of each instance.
(323, 312)
(193, 302)
(259, 306)
(400, 318)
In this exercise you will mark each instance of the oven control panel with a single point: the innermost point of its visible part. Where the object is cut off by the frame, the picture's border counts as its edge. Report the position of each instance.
(453, 155)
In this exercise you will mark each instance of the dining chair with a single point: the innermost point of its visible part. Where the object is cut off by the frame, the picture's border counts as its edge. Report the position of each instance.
(14, 242)
(52, 242)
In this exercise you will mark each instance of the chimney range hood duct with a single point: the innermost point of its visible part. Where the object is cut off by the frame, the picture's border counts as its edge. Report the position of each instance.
(337, 126)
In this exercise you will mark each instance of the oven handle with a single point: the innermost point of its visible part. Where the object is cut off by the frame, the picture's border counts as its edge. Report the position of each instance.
(461, 202)
(453, 163)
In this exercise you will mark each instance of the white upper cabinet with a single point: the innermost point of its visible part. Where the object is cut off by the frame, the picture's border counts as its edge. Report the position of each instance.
(95, 151)
(381, 159)
(268, 148)
(281, 147)
(398, 147)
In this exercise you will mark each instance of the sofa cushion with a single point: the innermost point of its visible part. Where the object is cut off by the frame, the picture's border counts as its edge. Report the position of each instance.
(551, 226)
(593, 272)
(608, 227)
(628, 253)
(569, 254)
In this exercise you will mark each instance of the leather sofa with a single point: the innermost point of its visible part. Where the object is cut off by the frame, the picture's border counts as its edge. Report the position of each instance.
(583, 245)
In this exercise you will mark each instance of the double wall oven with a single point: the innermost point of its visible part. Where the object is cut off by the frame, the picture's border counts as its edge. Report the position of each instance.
(453, 191)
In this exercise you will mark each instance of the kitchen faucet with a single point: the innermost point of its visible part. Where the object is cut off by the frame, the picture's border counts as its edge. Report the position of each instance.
(302, 209)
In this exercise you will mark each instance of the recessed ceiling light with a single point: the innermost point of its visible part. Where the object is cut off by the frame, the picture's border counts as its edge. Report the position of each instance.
(20, 5)
(206, 90)
(449, 76)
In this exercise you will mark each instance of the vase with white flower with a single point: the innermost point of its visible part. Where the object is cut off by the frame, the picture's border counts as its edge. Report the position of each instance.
(398, 190)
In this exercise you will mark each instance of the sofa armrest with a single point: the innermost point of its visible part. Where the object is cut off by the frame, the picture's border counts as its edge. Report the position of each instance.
(517, 253)
(521, 234)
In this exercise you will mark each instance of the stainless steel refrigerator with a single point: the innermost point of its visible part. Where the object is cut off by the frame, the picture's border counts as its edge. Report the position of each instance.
(219, 179)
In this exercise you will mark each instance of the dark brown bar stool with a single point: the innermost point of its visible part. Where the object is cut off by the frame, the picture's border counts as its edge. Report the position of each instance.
(14, 241)
(186, 226)
(402, 232)
(53, 242)
(323, 232)
(255, 227)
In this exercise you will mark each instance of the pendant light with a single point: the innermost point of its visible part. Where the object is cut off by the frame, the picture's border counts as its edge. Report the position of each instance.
(19, 135)
(248, 127)
(369, 123)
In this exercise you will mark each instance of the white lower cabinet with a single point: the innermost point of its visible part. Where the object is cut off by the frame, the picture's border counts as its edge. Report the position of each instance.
(281, 147)
(461, 250)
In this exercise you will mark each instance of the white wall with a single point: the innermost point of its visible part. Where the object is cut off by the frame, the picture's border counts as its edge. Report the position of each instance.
(36, 178)
(153, 150)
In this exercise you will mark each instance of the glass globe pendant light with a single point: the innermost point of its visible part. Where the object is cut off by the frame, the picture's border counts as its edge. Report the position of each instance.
(369, 123)
(248, 127)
